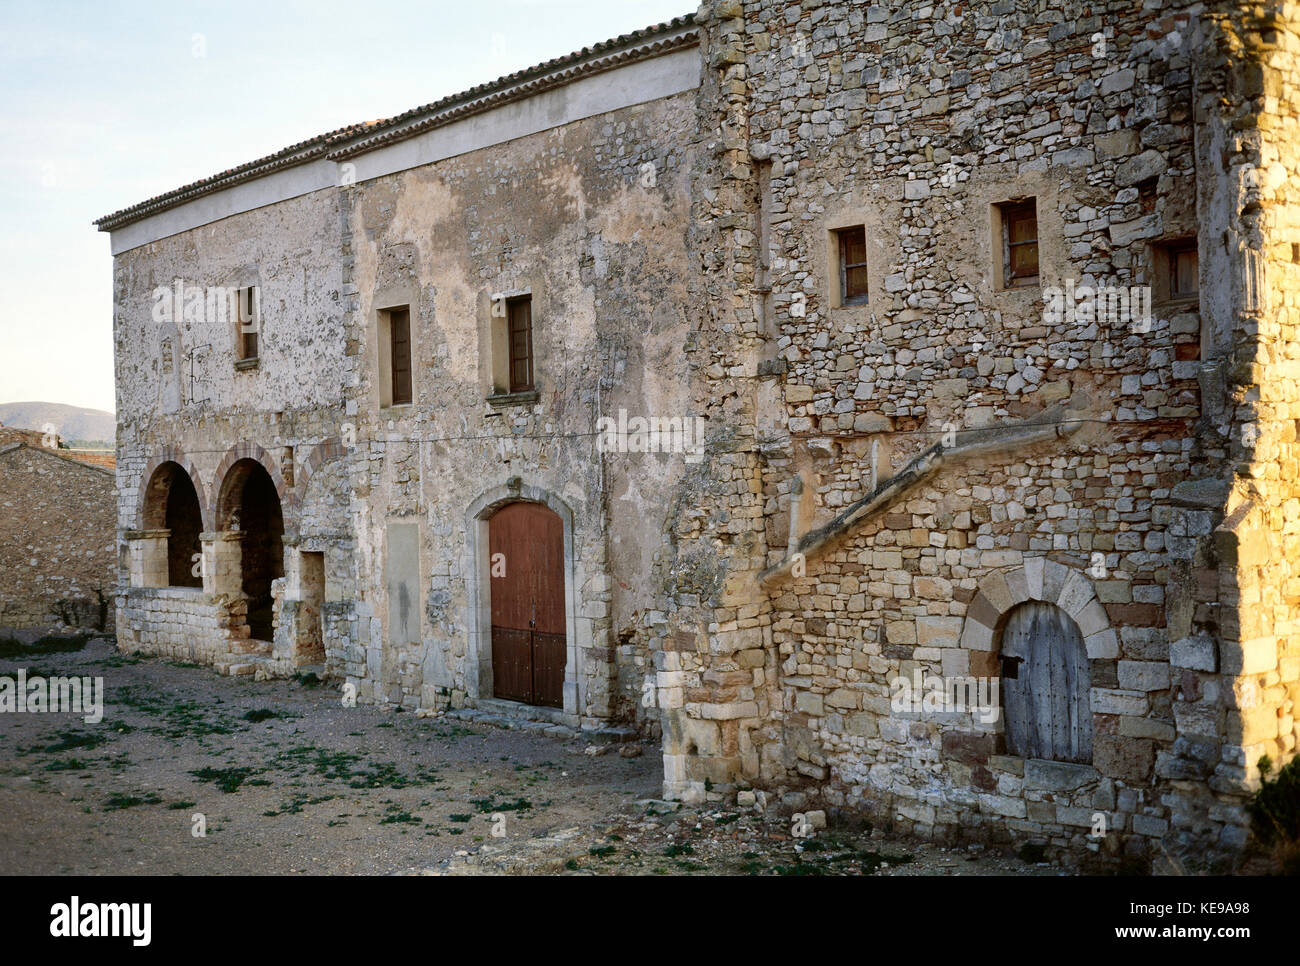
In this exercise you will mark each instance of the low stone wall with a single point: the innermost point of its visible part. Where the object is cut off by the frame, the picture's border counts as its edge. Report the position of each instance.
(185, 624)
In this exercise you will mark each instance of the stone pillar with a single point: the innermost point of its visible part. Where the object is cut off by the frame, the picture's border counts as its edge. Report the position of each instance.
(148, 557)
(222, 562)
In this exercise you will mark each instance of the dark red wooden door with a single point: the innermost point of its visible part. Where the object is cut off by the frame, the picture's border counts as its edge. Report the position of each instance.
(526, 548)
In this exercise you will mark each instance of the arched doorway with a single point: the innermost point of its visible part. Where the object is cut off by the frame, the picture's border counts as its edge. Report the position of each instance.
(526, 564)
(171, 503)
(251, 506)
(1045, 684)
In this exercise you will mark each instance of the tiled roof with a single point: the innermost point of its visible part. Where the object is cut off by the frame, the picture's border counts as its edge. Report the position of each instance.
(93, 457)
(356, 138)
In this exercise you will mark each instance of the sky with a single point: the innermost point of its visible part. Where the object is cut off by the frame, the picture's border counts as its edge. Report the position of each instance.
(103, 105)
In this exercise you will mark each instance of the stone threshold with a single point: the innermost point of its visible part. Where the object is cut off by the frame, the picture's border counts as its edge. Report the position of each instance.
(512, 716)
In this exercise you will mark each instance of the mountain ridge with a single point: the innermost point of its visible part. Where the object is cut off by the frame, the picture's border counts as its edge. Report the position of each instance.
(70, 422)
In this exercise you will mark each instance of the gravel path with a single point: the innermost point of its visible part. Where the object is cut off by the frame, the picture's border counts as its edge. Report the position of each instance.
(285, 780)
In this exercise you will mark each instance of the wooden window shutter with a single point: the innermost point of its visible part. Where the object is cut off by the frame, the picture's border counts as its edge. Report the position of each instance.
(853, 265)
(521, 344)
(399, 322)
(1021, 222)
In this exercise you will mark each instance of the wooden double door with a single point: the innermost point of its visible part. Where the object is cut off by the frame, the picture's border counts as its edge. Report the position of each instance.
(526, 559)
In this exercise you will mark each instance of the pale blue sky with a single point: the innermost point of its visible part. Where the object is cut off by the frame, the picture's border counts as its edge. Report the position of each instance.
(105, 105)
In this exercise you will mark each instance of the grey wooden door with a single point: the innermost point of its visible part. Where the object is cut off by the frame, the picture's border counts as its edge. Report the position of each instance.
(1045, 685)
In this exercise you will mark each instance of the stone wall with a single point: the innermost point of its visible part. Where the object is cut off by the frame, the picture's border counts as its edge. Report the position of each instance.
(885, 484)
(889, 539)
(590, 219)
(57, 556)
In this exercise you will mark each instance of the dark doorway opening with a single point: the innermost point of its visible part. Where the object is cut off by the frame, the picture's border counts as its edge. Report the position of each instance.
(172, 503)
(252, 506)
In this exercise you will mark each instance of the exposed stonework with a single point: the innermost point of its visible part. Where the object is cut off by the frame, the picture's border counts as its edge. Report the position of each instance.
(885, 479)
(58, 565)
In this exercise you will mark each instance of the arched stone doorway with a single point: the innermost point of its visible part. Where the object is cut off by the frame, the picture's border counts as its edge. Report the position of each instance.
(526, 556)
(171, 506)
(250, 507)
(480, 667)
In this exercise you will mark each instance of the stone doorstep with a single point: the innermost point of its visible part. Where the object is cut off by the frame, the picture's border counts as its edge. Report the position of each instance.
(508, 719)
(239, 665)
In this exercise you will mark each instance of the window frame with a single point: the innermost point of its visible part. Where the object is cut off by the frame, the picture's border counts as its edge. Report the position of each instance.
(249, 296)
(1011, 213)
(394, 370)
(1172, 253)
(845, 266)
(514, 306)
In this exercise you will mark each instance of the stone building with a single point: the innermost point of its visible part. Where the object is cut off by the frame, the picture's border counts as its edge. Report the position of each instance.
(988, 312)
(58, 558)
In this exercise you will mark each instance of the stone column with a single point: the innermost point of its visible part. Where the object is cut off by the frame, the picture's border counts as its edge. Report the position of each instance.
(222, 562)
(148, 557)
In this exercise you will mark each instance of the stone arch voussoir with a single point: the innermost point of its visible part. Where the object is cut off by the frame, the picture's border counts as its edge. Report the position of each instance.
(173, 454)
(246, 450)
(323, 452)
(1038, 579)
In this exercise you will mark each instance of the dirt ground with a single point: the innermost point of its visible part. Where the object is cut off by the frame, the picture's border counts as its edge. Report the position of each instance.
(283, 779)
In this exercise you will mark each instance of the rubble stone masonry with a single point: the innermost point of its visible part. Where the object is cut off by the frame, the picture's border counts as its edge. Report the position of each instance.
(58, 566)
(886, 480)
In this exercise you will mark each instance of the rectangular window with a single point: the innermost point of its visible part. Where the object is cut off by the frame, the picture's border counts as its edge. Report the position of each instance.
(520, 336)
(399, 334)
(248, 322)
(853, 265)
(1019, 243)
(1184, 271)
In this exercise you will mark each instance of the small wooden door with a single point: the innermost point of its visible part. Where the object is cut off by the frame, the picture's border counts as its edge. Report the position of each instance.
(1045, 684)
(526, 560)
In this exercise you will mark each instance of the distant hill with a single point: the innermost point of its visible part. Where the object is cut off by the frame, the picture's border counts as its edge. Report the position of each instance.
(70, 422)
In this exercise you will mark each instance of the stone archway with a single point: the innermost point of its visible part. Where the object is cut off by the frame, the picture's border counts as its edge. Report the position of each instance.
(1038, 579)
(479, 671)
(250, 513)
(170, 516)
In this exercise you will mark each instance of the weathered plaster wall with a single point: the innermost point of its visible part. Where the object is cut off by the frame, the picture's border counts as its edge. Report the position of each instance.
(572, 217)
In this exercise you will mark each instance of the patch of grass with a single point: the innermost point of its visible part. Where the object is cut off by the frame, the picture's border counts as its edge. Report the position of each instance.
(727, 819)
(116, 802)
(685, 848)
(177, 718)
(571, 865)
(73, 739)
(799, 868)
(260, 714)
(871, 861)
(179, 806)
(460, 817)
(50, 644)
(67, 764)
(393, 817)
(490, 804)
(295, 805)
(226, 779)
(1275, 813)
(602, 851)
(343, 766)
